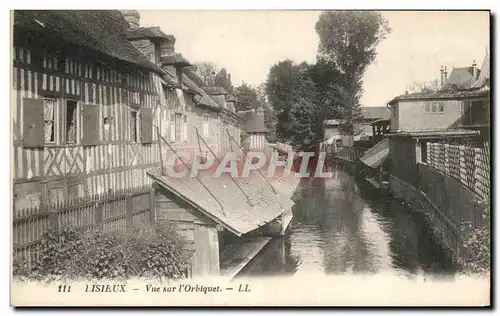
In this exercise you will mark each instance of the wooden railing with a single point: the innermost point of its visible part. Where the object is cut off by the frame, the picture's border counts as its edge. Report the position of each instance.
(118, 210)
(350, 154)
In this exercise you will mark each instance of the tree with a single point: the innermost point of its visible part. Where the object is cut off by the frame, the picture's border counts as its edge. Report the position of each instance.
(212, 76)
(424, 87)
(291, 93)
(269, 115)
(348, 42)
(207, 72)
(246, 98)
(302, 96)
(223, 79)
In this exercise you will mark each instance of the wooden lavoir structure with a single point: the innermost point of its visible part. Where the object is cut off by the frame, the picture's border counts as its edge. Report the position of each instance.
(216, 213)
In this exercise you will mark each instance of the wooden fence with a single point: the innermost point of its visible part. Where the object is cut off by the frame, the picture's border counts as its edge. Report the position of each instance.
(469, 165)
(118, 210)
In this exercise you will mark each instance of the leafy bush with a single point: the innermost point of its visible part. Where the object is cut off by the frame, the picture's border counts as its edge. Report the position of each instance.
(152, 251)
(477, 258)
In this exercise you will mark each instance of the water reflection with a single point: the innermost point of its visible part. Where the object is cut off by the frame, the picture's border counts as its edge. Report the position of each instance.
(340, 228)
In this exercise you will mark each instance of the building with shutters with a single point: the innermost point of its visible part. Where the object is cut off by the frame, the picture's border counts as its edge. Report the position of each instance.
(92, 91)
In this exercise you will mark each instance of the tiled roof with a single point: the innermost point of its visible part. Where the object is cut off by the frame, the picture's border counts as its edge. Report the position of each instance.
(101, 30)
(190, 83)
(236, 214)
(460, 78)
(215, 90)
(253, 122)
(375, 112)
(148, 32)
(438, 133)
(441, 95)
(194, 77)
(381, 120)
(484, 75)
(206, 100)
(176, 59)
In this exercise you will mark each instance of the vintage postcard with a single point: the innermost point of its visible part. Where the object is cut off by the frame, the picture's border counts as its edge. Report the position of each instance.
(250, 158)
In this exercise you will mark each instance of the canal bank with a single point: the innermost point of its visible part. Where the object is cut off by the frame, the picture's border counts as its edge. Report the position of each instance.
(341, 226)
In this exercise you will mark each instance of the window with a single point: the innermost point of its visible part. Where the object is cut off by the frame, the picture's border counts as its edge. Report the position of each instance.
(395, 111)
(178, 118)
(107, 127)
(133, 125)
(185, 129)
(90, 127)
(172, 127)
(50, 107)
(441, 107)
(205, 125)
(424, 152)
(71, 121)
(434, 107)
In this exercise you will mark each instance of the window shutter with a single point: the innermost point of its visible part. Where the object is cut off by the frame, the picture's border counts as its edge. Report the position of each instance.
(33, 131)
(90, 124)
(146, 125)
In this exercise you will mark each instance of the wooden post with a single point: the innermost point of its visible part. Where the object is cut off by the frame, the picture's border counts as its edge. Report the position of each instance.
(98, 213)
(446, 157)
(130, 218)
(418, 151)
(463, 174)
(54, 219)
(152, 207)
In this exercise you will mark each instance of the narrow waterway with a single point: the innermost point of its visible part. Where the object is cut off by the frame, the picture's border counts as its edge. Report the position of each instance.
(341, 227)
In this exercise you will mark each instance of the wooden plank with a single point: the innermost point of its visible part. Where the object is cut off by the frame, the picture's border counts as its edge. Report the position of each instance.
(33, 122)
(205, 260)
(234, 259)
(146, 125)
(177, 214)
(90, 124)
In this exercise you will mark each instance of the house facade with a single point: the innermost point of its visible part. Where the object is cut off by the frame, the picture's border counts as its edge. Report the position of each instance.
(91, 90)
(83, 111)
(462, 102)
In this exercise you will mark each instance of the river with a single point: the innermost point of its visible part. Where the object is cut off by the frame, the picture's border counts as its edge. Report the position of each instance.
(342, 227)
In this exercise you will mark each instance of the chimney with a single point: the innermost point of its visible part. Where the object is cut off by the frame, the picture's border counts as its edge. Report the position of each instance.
(133, 18)
(178, 74)
(475, 71)
(167, 47)
(445, 74)
(442, 75)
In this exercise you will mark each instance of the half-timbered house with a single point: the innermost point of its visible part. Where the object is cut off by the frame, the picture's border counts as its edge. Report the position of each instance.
(92, 90)
(83, 106)
(196, 117)
(188, 109)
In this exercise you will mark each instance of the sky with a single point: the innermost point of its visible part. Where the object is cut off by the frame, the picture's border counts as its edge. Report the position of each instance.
(248, 43)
